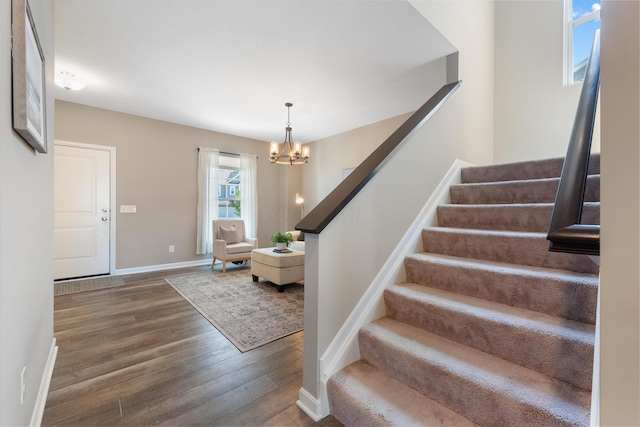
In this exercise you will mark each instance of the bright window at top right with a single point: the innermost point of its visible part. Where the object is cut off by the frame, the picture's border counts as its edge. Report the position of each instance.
(582, 18)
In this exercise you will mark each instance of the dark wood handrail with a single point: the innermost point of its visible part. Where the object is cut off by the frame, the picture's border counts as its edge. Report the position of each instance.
(320, 216)
(566, 233)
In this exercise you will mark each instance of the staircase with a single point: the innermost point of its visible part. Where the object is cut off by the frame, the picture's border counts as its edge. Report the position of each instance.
(490, 327)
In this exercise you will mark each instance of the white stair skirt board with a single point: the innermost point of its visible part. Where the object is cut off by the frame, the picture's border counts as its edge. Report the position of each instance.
(343, 350)
(41, 400)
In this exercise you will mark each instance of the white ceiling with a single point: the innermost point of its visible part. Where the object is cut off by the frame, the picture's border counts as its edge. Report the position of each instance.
(230, 65)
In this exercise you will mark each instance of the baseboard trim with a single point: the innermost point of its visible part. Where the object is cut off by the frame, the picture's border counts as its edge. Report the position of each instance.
(343, 350)
(310, 405)
(158, 267)
(43, 391)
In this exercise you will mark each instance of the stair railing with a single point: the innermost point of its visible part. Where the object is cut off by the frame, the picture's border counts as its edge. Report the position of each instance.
(566, 233)
(316, 220)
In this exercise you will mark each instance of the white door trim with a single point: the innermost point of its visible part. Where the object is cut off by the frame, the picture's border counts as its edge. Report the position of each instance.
(112, 195)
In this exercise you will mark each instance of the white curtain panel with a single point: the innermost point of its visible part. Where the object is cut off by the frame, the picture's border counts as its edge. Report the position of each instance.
(249, 193)
(207, 198)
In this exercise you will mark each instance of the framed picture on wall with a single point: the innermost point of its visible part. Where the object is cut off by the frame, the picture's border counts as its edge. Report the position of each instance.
(28, 74)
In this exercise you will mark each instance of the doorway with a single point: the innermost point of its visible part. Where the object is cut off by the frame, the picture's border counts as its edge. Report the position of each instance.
(83, 200)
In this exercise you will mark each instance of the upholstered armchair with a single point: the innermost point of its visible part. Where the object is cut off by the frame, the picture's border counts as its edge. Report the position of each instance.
(230, 242)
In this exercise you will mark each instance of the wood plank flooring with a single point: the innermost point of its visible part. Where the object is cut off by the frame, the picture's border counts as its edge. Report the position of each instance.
(140, 355)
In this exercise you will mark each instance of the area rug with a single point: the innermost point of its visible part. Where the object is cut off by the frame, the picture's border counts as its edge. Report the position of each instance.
(250, 314)
(84, 285)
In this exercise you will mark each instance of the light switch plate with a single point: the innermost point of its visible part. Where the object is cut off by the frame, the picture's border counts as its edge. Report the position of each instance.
(128, 208)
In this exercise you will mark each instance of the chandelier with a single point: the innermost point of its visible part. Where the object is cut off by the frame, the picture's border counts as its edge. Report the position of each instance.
(292, 153)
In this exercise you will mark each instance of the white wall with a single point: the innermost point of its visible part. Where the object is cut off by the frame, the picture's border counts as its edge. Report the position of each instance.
(330, 156)
(534, 111)
(26, 235)
(469, 26)
(344, 151)
(620, 215)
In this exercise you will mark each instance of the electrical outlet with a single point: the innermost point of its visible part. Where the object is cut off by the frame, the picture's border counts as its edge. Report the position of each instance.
(172, 249)
(23, 384)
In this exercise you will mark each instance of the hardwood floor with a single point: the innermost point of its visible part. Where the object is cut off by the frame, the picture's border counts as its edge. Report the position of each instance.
(141, 355)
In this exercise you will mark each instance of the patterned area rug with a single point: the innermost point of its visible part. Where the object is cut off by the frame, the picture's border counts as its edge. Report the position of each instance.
(95, 283)
(248, 313)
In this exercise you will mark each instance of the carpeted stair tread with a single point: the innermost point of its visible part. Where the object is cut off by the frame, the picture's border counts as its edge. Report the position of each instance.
(554, 292)
(524, 191)
(483, 388)
(515, 247)
(532, 169)
(552, 345)
(361, 395)
(533, 217)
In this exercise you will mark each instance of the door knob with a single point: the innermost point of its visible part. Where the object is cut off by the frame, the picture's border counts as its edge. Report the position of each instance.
(104, 218)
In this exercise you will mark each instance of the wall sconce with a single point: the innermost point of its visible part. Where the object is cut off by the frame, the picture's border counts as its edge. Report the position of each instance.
(300, 201)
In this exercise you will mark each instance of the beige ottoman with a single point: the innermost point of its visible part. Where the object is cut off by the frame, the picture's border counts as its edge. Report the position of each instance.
(278, 268)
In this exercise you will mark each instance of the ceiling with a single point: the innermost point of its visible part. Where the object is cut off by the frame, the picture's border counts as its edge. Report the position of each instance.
(230, 65)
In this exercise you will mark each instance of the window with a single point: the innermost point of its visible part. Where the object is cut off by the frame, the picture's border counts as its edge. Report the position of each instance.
(228, 182)
(227, 188)
(582, 19)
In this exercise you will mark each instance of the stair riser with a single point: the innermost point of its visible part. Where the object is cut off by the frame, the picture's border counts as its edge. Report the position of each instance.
(537, 169)
(574, 300)
(563, 358)
(542, 191)
(523, 249)
(532, 218)
(485, 406)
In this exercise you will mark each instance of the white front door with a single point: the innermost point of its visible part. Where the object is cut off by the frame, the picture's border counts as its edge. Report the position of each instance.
(81, 211)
